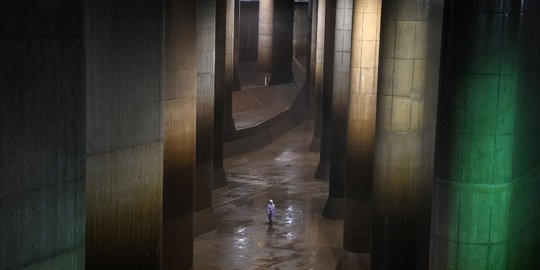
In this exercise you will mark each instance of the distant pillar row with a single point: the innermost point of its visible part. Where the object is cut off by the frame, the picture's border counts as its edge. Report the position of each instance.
(340, 104)
(218, 175)
(266, 32)
(206, 32)
(323, 168)
(487, 170)
(404, 150)
(361, 125)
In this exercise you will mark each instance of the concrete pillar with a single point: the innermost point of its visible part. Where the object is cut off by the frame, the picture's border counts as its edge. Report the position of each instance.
(204, 220)
(302, 31)
(266, 32)
(323, 168)
(179, 133)
(42, 134)
(219, 178)
(406, 106)
(282, 39)
(340, 103)
(361, 130)
(314, 65)
(303, 38)
(230, 65)
(124, 134)
(486, 163)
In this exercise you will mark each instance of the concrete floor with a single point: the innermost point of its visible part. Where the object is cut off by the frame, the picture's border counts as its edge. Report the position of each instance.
(299, 238)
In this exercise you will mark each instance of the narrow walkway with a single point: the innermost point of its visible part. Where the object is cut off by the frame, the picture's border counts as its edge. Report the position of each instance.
(299, 239)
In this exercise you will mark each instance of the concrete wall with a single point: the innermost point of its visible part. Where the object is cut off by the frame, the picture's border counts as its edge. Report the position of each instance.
(42, 133)
(124, 136)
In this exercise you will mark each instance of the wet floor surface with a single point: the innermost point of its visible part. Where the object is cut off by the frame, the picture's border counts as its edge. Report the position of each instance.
(299, 238)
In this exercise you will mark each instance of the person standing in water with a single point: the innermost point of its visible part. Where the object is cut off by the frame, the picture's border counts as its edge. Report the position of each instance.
(271, 209)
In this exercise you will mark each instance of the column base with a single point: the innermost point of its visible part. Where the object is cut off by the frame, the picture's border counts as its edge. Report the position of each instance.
(323, 171)
(353, 260)
(334, 208)
(204, 221)
(219, 179)
(315, 145)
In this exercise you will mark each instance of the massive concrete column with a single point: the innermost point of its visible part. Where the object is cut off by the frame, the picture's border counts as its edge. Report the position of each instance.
(266, 32)
(314, 77)
(340, 103)
(230, 65)
(179, 133)
(219, 178)
(406, 106)
(487, 167)
(361, 130)
(124, 134)
(204, 220)
(282, 39)
(42, 134)
(301, 31)
(323, 168)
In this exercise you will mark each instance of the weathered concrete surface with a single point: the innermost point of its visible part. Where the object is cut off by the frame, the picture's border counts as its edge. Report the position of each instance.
(315, 70)
(249, 31)
(262, 115)
(283, 39)
(124, 134)
(231, 64)
(301, 29)
(218, 175)
(266, 35)
(206, 41)
(487, 181)
(340, 108)
(405, 144)
(299, 238)
(323, 169)
(361, 127)
(179, 133)
(42, 133)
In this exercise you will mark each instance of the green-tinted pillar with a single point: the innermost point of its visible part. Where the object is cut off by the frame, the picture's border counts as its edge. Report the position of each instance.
(405, 134)
(487, 165)
(340, 105)
(323, 169)
(361, 132)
